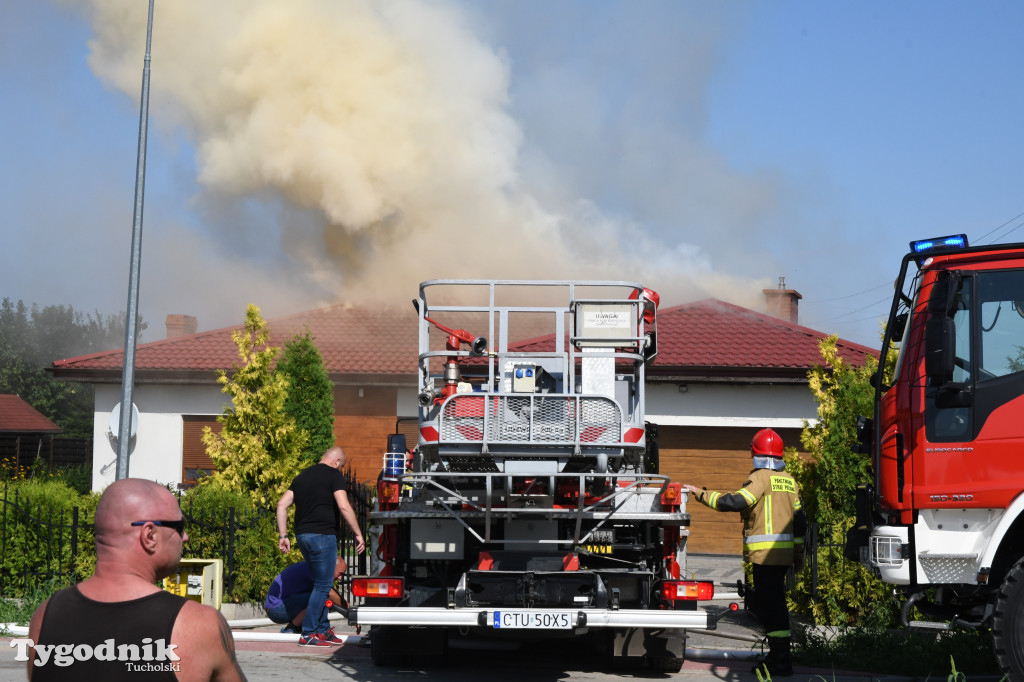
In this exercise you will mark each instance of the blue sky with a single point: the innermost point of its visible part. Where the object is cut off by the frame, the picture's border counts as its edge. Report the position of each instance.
(321, 151)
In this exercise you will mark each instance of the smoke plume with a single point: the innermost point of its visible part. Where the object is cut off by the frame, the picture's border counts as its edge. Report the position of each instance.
(376, 137)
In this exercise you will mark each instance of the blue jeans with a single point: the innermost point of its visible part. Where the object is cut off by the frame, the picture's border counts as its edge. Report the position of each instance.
(289, 607)
(321, 553)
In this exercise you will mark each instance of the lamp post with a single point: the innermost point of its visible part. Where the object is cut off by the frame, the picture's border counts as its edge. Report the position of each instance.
(131, 320)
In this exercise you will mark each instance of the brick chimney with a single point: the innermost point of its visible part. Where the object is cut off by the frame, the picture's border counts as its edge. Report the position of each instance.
(782, 302)
(181, 325)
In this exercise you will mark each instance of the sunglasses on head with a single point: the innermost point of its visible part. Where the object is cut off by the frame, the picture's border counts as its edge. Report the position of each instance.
(178, 526)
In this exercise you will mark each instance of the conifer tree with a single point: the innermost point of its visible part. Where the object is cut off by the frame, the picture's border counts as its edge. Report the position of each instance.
(257, 451)
(310, 395)
(846, 592)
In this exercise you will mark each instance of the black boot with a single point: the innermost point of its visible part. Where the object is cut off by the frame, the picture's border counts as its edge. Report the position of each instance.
(779, 661)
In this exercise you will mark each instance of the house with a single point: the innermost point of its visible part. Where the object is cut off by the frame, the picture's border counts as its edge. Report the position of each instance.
(25, 433)
(721, 373)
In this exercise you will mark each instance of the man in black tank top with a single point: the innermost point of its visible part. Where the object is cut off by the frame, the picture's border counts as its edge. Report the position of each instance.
(321, 502)
(117, 624)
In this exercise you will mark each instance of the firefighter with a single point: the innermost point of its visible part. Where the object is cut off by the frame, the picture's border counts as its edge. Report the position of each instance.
(773, 534)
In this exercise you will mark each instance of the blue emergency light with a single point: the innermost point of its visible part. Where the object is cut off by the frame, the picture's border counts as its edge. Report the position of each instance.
(953, 241)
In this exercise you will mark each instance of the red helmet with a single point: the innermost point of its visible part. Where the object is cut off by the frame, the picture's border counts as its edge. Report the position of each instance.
(766, 442)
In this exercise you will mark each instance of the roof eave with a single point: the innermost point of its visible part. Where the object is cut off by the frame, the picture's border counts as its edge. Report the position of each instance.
(728, 375)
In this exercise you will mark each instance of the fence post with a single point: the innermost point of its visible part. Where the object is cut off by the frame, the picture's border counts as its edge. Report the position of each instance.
(3, 540)
(74, 542)
(230, 582)
(813, 527)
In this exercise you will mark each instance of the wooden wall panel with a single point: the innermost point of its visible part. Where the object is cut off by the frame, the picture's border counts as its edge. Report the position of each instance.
(362, 425)
(364, 439)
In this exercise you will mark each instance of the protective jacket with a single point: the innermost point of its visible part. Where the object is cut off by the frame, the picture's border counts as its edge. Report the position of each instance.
(773, 520)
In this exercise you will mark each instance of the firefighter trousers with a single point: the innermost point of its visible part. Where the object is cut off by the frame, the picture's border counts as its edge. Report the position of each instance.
(768, 603)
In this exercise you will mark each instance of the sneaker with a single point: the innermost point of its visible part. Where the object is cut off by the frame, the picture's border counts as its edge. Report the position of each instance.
(314, 639)
(331, 638)
(294, 629)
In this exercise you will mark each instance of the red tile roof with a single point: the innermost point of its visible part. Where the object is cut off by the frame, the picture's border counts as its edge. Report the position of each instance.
(351, 340)
(711, 337)
(708, 336)
(713, 333)
(17, 416)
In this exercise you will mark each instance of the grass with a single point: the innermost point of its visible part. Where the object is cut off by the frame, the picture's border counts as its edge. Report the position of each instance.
(899, 652)
(20, 610)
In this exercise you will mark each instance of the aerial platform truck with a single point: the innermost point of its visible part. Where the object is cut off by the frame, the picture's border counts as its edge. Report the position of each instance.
(531, 505)
(944, 516)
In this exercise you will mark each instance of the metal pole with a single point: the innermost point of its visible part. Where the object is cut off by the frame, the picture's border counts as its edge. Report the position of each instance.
(131, 320)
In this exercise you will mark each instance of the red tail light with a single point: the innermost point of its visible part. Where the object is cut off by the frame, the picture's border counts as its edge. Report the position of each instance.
(378, 587)
(687, 590)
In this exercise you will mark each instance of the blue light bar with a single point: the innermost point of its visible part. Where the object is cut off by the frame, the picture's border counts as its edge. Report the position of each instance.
(953, 241)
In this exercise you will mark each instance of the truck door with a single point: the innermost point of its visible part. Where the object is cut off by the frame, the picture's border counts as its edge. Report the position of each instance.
(970, 457)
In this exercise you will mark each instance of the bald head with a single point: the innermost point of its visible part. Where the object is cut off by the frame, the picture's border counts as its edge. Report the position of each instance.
(131, 499)
(128, 500)
(334, 457)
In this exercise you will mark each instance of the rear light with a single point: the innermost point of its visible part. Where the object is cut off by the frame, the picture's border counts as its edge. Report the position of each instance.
(378, 587)
(687, 590)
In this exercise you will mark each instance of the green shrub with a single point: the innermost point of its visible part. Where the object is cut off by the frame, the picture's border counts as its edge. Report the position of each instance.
(37, 532)
(78, 477)
(257, 560)
(30, 553)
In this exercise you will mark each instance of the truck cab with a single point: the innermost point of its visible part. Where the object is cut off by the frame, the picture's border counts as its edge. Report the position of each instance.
(946, 509)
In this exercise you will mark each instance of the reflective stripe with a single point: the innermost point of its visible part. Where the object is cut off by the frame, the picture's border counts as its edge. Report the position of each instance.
(756, 542)
(778, 633)
(713, 499)
(768, 530)
(755, 546)
(769, 538)
(747, 496)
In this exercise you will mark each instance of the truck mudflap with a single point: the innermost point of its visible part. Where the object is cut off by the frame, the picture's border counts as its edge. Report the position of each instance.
(520, 618)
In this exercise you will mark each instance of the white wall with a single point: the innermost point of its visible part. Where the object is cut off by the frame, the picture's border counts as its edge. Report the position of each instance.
(745, 405)
(157, 447)
(156, 452)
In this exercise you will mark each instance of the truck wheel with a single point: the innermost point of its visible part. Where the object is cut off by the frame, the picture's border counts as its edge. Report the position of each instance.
(665, 665)
(636, 648)
(395, 645)
(383, 647)
(1008, 623)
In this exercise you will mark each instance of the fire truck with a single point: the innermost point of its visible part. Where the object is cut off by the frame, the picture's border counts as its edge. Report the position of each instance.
(944, 517)
(530, 507)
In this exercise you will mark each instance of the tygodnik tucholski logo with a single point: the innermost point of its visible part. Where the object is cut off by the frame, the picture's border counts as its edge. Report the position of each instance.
(149, 656)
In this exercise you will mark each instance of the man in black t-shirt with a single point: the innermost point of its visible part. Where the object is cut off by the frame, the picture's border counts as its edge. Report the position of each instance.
(321, 502)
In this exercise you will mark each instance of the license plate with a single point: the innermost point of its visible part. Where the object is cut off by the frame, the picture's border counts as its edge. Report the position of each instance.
(533, 620)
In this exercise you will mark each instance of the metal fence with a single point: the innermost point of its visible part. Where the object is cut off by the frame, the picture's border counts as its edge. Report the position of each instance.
(39, 546)
(819, 550)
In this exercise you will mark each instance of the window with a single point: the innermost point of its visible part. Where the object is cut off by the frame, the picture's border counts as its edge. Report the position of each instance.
(194, 460)
(1001, 303)
(945, 423)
